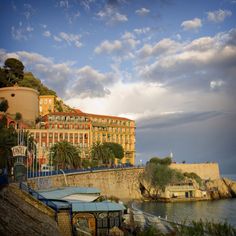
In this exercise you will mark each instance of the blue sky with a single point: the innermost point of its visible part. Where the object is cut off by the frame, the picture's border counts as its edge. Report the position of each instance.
(170, 65)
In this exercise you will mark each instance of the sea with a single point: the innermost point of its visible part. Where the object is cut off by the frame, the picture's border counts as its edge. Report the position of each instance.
(218, 210)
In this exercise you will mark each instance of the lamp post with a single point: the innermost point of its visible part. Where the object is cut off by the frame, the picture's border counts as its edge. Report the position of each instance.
(141, 162)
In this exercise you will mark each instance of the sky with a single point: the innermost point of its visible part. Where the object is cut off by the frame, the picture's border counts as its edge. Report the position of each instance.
(169, 65)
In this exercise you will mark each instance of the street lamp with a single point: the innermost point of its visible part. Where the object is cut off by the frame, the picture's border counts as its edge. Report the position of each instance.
(141, 162)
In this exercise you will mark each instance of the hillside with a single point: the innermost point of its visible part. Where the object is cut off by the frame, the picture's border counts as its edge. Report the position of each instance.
(32, 82)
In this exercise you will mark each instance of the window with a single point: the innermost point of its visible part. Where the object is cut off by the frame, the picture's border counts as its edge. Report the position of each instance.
(45, 101)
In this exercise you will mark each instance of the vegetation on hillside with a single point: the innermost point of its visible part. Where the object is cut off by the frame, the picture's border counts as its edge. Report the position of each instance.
(158, 175)
(11, 73)
(31, 82)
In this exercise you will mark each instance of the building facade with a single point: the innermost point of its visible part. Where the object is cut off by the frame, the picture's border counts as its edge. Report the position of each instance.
(82, 130)
(46, 104)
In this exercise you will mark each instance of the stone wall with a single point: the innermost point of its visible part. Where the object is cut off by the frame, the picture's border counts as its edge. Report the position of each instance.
(64, 222)
(204, 170)
(33, 202)
(122, 183)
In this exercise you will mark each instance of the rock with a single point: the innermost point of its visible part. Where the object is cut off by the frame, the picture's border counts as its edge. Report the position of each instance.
(218, 189)
(231, 185)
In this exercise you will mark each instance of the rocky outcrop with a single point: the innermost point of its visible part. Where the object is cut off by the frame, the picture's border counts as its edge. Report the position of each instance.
(17, 217)
(221, 188)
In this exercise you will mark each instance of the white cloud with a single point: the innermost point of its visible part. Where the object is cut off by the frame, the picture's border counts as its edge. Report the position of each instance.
(111, 16)
(142, 30)
(190, 65)
(71, 38)
(214, 84)
(29, 29)
(194, 24)
(142, 11)
(47, 33)
(21, 32)
(108, 47)
(57, 38)
(218, 16)
(163, 46)
(28, 11)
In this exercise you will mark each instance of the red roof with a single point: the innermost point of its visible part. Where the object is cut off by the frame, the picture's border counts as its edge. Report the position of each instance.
(79, 112)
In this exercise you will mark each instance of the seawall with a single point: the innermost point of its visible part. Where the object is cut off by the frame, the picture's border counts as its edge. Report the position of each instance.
(204, 170)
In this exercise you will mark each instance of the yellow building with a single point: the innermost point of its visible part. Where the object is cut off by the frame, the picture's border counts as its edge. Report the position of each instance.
(83, 129)
(46, 104)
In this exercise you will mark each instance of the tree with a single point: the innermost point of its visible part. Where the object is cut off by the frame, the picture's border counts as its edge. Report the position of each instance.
(8, 139)
(159, 174)
(161, 161)
(102, 154)
(65, 155)
(14, 70)
(4, 105)
(116, 148)
(11, 73)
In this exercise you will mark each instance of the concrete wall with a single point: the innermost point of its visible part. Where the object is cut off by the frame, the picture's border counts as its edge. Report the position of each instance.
(23, 100)
(204, 170)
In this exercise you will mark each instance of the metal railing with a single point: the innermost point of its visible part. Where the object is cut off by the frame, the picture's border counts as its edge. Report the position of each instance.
(82, 170)
(62, 204)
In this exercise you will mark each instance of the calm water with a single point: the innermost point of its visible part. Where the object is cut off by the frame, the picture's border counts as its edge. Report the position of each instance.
(218, 210)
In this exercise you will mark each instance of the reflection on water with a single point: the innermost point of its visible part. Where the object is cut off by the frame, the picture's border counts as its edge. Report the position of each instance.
(218, 210)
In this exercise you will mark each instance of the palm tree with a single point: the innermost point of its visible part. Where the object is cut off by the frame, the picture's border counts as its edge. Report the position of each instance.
(65, 155)
(102, 154)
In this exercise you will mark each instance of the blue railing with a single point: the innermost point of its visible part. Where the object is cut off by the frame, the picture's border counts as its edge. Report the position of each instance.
(61, 204)
(82, 170)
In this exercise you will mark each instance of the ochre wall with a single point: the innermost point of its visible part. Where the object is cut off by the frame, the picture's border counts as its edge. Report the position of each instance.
(23, 100)
(122, 183)
(204, 170)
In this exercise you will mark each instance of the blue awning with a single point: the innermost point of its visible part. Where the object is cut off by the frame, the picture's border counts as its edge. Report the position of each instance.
(96, 207)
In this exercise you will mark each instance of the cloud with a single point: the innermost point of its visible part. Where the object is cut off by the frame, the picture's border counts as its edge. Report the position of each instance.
(142, 30)
(91, 83)
(28, 11)
(194, 24)
(71, 38)
(142, 11)
(47, 33)
(108, 47)
(123, 46)
(111, 15)
(172, 119)
(218, 16)
(21, 32)
(163, 46)
(214, 84)
(190, 65)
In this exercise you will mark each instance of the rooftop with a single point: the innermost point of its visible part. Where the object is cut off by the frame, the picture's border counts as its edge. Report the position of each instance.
(61, 193)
